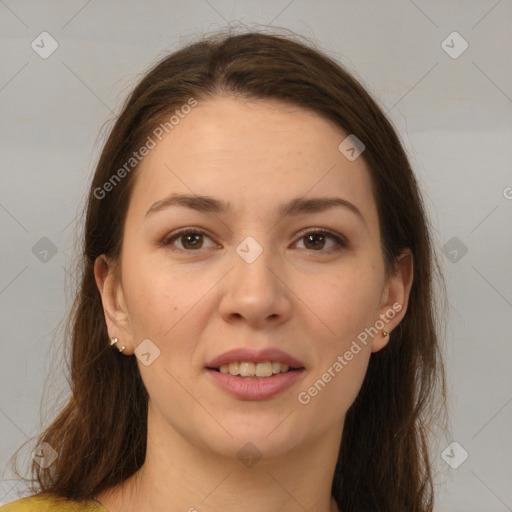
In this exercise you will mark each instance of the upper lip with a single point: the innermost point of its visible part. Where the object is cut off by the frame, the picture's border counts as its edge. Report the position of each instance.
(252, 356)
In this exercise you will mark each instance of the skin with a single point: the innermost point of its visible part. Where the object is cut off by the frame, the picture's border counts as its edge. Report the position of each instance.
(296, 296)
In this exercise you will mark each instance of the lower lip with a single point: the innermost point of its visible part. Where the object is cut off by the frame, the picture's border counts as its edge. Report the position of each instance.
(256, 388)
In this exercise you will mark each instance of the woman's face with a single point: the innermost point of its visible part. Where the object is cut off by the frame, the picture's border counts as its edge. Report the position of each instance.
(251, 274)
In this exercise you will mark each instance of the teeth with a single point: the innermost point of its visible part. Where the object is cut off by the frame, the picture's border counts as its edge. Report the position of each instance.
(248, 369)
(264, 369)
(234, 368)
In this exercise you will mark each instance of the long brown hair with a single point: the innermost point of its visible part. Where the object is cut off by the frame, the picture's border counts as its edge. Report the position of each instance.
(384, 462)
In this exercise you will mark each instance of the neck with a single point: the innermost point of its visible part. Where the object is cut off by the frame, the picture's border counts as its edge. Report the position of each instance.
(195, 478)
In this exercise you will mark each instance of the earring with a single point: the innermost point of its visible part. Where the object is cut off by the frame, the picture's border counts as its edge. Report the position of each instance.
(385, 333)
(113, 341)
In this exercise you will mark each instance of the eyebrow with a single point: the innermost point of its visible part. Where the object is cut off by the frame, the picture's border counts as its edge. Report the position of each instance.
(297, 206)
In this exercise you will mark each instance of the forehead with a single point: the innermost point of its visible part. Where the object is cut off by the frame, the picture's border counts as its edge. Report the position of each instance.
(253, 154)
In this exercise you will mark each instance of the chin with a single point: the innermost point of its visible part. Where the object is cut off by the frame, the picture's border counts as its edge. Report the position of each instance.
(267, 436)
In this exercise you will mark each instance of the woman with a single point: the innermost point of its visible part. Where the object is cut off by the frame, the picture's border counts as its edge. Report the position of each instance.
(256, 326)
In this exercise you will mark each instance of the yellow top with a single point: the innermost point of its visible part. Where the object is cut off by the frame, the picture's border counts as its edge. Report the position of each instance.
(40, 503)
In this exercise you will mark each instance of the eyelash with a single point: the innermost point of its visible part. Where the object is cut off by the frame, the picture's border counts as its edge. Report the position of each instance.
(340, 240)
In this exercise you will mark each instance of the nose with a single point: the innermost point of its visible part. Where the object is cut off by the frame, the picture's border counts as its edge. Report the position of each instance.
(255, 291)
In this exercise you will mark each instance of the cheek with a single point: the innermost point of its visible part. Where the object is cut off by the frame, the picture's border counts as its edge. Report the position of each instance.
(157, 298)
(335, 381)
(346, 301)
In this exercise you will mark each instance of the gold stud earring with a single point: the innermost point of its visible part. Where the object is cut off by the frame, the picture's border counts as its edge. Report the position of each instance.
(113, 341)
(385, 333)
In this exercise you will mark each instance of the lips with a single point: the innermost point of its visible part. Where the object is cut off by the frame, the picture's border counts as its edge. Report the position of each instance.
(255, 388)
(251, 356)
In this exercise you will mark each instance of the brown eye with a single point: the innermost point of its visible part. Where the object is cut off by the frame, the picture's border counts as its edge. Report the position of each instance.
(193, 240)
(316, 241)
(190, 239)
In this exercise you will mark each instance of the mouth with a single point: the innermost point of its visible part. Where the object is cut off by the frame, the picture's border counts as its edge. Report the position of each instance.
(260, 370)
(252, 387)
(255, 375)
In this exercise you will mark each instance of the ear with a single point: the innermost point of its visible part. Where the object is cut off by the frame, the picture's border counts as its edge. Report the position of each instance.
(395, 299)
(114, 305)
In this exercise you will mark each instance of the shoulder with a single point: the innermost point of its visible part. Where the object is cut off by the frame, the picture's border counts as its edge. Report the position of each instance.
(40, 503)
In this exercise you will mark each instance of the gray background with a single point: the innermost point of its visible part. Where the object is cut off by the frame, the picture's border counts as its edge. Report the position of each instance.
(453, 115)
